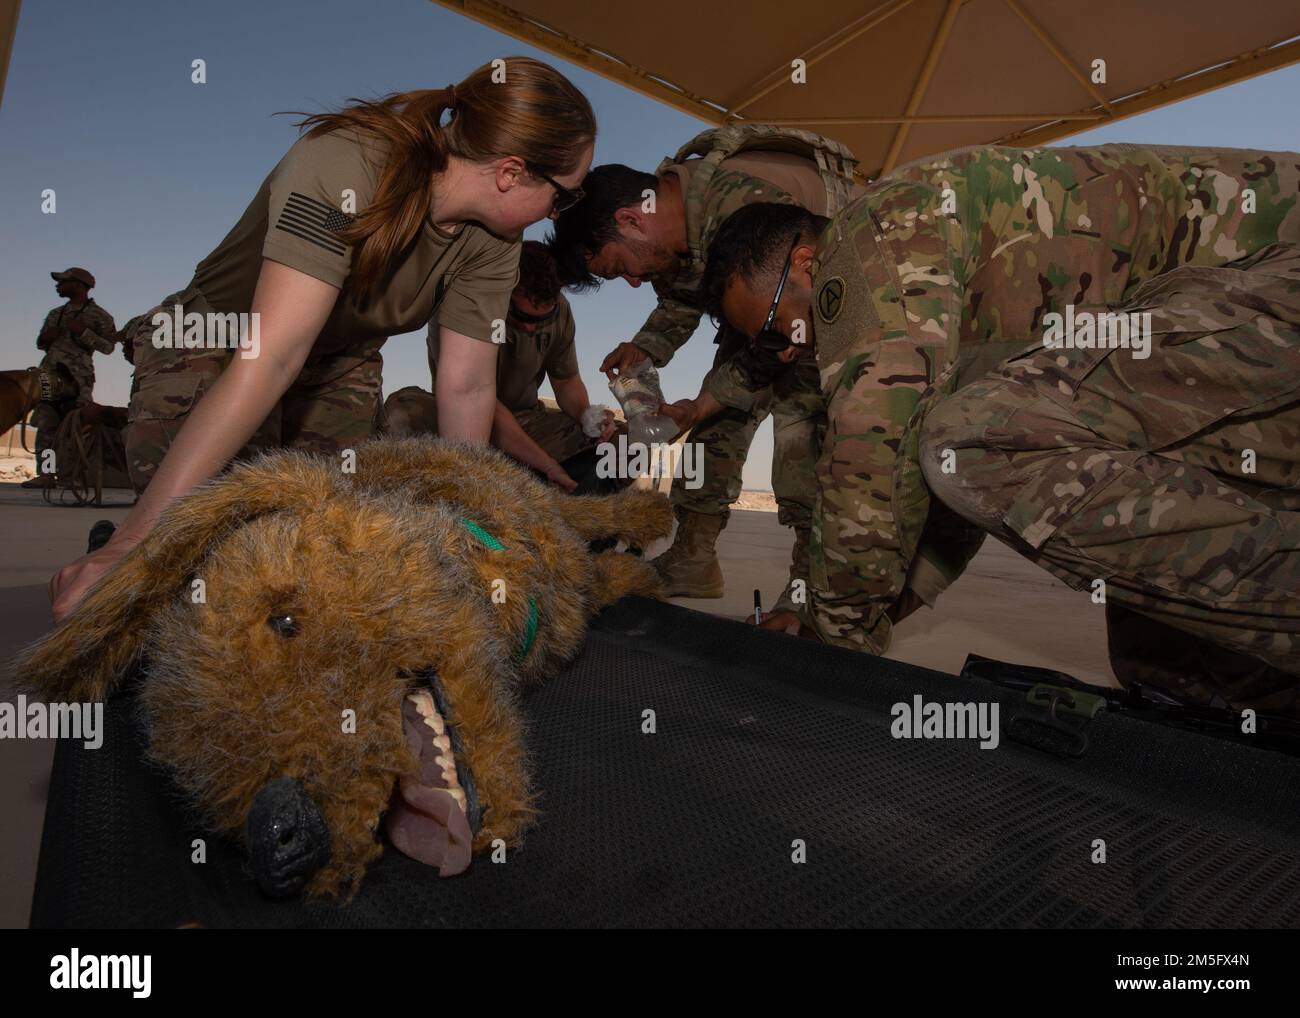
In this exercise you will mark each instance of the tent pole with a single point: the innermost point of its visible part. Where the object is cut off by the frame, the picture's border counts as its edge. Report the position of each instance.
(922, 82)
(873, 18)
(1244, 67)
(1060, 55)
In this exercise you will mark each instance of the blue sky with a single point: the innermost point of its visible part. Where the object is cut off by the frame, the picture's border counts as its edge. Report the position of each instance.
(151, 170)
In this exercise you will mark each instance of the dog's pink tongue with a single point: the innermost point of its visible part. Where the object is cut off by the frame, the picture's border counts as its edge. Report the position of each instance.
(428, 824)
(425, 820)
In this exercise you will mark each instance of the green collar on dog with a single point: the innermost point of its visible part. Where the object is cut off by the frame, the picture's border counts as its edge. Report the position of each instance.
(530, 631)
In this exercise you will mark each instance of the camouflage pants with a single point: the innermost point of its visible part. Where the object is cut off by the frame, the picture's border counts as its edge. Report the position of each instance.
(414, 411)
(799, 423)
(334, 403)
(46, 416)
(1173, 479)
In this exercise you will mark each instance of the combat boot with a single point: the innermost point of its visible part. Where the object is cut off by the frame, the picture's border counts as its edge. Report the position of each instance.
(690, 567)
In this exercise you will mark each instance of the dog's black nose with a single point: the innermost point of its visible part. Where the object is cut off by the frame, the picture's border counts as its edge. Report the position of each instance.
(288, 840)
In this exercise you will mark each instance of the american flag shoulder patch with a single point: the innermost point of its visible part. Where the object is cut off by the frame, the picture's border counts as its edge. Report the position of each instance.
(314, 222)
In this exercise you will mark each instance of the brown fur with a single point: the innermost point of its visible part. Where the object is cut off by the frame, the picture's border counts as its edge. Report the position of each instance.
(19, 391)
(384, 582)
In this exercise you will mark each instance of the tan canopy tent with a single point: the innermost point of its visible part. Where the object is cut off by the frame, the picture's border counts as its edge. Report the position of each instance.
(900, 79)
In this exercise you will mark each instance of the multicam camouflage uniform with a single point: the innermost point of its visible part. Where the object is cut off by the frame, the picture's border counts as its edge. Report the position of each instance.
(333, 404)
(1095, 463)
(792, 397)
(76, 353)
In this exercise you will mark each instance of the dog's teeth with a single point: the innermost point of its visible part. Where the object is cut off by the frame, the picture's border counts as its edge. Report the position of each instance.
(443, 742)
(459, 795)
(447, 763)
(423, 703)
(435, 722)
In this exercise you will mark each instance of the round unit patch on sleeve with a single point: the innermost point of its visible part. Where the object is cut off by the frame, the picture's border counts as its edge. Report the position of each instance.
(830, 299)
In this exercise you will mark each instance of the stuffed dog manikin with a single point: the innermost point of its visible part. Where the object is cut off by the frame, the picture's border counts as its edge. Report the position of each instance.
(327, 652)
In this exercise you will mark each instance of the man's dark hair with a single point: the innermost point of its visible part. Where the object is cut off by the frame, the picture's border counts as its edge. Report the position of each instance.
(587, 227)
(537, 276)
(753, 244)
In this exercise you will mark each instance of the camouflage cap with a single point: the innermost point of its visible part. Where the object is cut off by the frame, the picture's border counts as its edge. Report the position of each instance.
(74, 273)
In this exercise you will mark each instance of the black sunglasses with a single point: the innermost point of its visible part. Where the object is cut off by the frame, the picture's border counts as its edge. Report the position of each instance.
(767, 337)
(564, 198)
(528, 319)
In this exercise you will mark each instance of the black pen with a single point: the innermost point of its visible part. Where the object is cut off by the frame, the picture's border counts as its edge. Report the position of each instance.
(758, 608)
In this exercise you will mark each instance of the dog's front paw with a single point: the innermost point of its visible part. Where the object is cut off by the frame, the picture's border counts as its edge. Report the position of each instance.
(644, 516)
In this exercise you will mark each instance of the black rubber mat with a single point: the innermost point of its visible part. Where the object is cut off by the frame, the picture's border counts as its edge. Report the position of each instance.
(763, 742)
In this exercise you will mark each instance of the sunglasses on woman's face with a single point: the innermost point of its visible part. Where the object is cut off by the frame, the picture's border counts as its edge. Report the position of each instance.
(564, 197)
(768, 338)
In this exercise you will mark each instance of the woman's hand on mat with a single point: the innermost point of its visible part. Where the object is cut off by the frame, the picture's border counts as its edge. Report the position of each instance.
(556, 475)
(70, 583)
(787, 622)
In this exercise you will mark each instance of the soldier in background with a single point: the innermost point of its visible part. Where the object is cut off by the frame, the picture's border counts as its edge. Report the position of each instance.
(70, 337)
(539, 344)
(611, 234)
(1163, 471)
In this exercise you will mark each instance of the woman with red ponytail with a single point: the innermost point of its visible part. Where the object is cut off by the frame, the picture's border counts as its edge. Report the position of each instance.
(385, 217)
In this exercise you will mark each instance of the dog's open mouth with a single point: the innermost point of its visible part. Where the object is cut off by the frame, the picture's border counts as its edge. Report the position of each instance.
(435, 811)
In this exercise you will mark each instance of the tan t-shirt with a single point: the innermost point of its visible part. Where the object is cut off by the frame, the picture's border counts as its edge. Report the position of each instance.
(461, 281)
(524, 360)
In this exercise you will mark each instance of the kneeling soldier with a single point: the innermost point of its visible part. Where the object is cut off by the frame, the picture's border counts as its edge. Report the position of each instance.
(539, 344)
(962, 318)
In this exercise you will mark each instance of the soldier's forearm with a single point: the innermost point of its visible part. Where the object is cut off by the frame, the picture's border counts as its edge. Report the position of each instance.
(667, 329)
(571, 396)
(90, 342)
(659, 346)
(868, 632)
(509, 436)
(706, 406)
